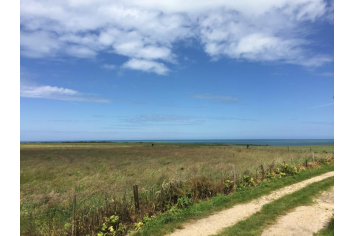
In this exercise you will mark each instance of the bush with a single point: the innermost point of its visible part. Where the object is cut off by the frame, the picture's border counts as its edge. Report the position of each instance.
(112, 226)
(184, 202)
(228, 186)
(270, 176)
(202, 188)
(322, 161)
(247, 181)
(286, 169)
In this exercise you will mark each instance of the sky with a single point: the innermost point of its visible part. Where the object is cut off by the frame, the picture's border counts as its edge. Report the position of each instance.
(138, 69)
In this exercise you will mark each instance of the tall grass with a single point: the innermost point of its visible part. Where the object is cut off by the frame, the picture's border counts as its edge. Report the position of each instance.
(52, 173)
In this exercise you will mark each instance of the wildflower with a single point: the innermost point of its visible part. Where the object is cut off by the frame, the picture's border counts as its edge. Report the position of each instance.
(139, 224)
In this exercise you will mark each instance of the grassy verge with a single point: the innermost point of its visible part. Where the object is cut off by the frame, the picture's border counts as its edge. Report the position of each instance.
(328, 231)
(167, 222)
(254, 225)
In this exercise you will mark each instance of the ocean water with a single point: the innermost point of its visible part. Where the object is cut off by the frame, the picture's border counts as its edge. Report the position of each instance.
(269, 142)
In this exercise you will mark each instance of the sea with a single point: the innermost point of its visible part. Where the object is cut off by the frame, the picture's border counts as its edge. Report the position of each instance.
(269, 142)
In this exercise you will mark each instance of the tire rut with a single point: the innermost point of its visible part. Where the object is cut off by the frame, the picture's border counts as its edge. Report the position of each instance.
(229, 217)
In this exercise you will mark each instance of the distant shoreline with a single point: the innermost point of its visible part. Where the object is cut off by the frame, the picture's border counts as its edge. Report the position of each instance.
(252, 142)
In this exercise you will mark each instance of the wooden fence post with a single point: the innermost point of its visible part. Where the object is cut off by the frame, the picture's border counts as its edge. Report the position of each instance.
(135, 190)
(263, 172)
(73, 214)
(234, 174)
(256, 173)
(306, 163)
(271, 167)
(247, 146)
(313, 157)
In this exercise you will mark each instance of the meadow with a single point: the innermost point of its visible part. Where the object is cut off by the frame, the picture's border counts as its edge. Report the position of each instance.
(51, 173)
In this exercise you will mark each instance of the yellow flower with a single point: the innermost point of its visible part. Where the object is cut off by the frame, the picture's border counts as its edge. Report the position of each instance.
(111, 229)
(139, 224)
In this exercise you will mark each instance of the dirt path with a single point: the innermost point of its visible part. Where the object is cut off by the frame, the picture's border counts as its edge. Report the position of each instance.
(226, 218)
(305, 220)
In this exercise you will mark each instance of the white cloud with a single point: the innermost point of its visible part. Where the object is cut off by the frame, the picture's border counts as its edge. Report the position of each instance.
(81, 52)
(42, 91)
(146, 65)
(57, 93)
(254, 30)
(39, 44)
(306, 8)
(136, 49)
(273, 37)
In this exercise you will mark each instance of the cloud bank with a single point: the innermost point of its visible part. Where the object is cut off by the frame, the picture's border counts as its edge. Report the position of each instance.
(146, 32)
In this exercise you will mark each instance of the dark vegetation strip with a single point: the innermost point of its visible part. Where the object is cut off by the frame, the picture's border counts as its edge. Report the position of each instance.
(174, 217)
(270, 212)
(328, 231)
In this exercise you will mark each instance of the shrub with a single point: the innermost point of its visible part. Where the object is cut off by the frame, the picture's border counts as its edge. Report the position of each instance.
(270, 176)
(228, 186)
(184, 202)
(247, 181)
(286, 169)
(112, 226)
(202, 188)
(322, 161)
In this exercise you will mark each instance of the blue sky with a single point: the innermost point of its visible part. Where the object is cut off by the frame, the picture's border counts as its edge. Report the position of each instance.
(120, 70)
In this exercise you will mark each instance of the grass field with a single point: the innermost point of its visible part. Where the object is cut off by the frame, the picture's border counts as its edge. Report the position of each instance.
(52, 172)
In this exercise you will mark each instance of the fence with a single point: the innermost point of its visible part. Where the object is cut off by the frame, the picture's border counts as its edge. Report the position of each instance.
(83, 217)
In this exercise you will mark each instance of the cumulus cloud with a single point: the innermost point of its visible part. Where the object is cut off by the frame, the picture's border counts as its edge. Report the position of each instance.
(39, 44)
(146, 31)
(146, 65)
(81, 52)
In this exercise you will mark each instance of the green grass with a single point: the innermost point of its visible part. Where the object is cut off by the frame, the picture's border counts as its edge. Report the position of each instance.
(51, 173)
(167, 222)
(328, 231)
(270, 212)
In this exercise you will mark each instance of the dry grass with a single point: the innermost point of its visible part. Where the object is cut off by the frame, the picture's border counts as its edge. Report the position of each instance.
(52, 173)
